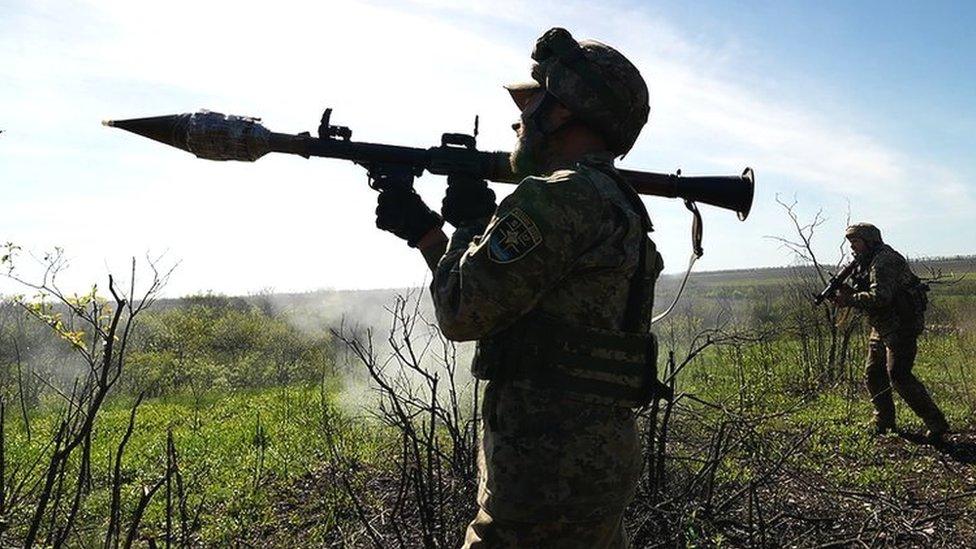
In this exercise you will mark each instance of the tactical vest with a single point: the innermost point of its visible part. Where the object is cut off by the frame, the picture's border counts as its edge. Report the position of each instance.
(910, 300)
(589, 364)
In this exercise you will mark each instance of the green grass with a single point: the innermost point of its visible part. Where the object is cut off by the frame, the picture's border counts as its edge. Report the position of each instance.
(762, 379)
(219, 440)
(219, 452)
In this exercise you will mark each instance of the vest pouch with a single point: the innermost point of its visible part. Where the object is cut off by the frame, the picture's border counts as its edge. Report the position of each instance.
(492, 354)
(592, 365)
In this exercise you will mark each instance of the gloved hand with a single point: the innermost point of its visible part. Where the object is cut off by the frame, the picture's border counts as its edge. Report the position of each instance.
(403, 213)
(468, 199)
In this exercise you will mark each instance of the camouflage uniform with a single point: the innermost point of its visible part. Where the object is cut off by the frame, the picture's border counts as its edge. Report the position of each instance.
(893, 299)
(558, 288)
(564, 246)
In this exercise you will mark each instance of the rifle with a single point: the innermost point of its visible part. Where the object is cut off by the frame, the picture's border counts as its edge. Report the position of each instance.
(215, 136)
(836, 281)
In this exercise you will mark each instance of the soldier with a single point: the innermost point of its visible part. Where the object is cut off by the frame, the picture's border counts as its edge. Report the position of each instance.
(894, 300)
(556, 285)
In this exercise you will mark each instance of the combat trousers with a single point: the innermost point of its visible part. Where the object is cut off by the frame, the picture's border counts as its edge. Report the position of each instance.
(889, 365)
(486, 532)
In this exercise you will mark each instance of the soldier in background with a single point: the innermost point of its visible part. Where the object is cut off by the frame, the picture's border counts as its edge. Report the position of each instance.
(556, 285)
(894, 300)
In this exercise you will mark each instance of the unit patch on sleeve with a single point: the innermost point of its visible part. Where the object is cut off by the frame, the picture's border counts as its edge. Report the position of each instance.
(513, 238)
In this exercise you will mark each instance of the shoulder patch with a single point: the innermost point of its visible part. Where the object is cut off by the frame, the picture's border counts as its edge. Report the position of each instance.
(513, 238)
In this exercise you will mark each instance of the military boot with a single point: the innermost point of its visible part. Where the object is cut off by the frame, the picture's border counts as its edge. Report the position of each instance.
(881, 428)
(937, 433)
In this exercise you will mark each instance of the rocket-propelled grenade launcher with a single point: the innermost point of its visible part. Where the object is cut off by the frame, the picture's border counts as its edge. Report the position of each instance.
(215, 136)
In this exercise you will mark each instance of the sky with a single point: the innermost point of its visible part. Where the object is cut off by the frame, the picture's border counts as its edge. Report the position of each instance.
(859, 110)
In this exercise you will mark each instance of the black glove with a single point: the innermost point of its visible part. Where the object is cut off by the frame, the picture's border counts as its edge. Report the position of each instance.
(403, 213)
(467, 200)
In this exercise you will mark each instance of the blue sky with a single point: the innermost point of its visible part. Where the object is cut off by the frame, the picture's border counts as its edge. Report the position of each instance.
(844, 105)
(901, 65)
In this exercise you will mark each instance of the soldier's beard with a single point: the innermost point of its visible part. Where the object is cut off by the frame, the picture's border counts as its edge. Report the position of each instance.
(528, 157)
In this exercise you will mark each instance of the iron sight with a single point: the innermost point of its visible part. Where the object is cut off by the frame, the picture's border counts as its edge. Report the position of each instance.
(215, 136)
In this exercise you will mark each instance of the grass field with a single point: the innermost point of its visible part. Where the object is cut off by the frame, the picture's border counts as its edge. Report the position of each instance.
(249, 455)
(232, 447)
(765, 446)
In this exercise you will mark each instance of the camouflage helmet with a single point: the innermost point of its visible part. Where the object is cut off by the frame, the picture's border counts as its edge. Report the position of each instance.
(594, 81)
(865, 231)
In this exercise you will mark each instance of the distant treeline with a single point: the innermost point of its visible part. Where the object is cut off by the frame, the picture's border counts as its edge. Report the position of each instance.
(193, 344)
(958, 264)
(955, 276)
(208, 342)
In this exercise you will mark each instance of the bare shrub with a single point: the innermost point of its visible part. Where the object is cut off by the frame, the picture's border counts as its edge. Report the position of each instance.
(823, 334)
(48, 491)
(422, 397)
